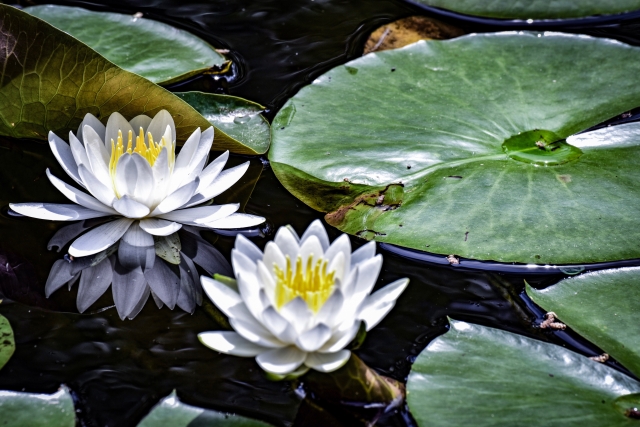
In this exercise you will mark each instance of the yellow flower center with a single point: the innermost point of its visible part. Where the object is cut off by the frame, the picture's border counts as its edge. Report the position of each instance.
(149, 151)
(311, 282)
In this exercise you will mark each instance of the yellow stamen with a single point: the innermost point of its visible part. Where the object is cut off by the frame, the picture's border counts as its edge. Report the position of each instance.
(149, 151)
(311, 282)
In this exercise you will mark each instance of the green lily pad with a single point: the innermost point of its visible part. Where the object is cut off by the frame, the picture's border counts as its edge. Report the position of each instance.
(51, 88)
(603, 307)
(171, 412)
(535, 9)
(7, 342)
(151, 49)
(457, 147)
(480, 376)
(238, 118)
(37, 410)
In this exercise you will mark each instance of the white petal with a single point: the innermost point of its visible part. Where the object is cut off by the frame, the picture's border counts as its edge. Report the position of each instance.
(125, 177)
(249, 289)
(222, 182)
(199, 158)
(288, 243)
(248, 248)
(100, 191)
(230, 343)
(221, 295)
(256, 333)
(311, 247)
(93, 122)
(177, 199)
(368, 272)
(158, 126)
(129, 288)
(327, 362)
(142, 121)
(59, 274)
(389, 293)
(314, 338)
(55, 211)
(298, 313)
(213, 170)
(144, 184)
(78, 151)
(373, 315)
(337, 265)
(341, 338)
(161, 174)
(97, 154)
(180, 169)
(128, 207)
(236, 220)
(159, 227)
(201, 215)
(99, 238)
(329, 314)
(164, 283)
(278, 325)
(242, 265)
(64, 156)
(136, 248)
(273, 256)
(116, 123)
(341, 245)
(78, 196)
(266, 277)
(316, 229)
(282, 360)
(363, 253)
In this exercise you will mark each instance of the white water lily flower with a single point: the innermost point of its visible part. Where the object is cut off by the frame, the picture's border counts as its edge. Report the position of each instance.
(301, 302)
(130, 169)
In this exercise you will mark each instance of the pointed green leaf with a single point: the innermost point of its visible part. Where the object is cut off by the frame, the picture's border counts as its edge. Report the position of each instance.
(239, 119)
(151, 49)
(7, 342)
(171, 412)
(535, 9)
(37, 410)
(457, 147)
(602, 306)
(50, 80)
(480, 376)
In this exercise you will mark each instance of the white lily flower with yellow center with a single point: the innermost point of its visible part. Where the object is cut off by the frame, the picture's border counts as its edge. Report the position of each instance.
(300, 303)
(130, 169)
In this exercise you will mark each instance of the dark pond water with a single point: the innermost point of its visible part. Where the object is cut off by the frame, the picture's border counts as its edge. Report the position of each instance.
(117, 370)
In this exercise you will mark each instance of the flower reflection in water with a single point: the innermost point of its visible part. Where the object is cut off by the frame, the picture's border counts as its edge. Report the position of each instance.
(130, 170)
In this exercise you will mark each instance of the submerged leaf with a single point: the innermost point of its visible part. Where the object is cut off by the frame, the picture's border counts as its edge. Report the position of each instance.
(171, 412)
(480, 376)
(151, 49)
(37, 410)
(463, 151)
(602, 306)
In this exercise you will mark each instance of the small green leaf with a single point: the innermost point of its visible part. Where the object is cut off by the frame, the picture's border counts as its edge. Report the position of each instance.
(168, 248)
(535, 9)
(7, 342)
(465, 147)
(479, 376)
(236, 119)
(171, 412)
(151, 49)
(602, 306)
(37, 410)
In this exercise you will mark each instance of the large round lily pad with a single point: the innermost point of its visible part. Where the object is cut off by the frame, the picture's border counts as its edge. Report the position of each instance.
(457, 147)
(602, 306)
(157, 51)
(535, 9)
(480, 376)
